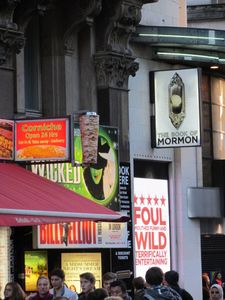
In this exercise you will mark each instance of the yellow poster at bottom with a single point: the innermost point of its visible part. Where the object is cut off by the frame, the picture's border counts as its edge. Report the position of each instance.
(75, 264)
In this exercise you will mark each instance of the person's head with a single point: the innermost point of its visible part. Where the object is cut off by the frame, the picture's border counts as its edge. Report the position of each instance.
(216, 292)
(205, 281)
(118, 288)
(87, 282)
(218, 275)
(57, 278)
(72, 288)
(138, 283)
(154, 276)
(107, 279)
(98, 294)
(171, 278)
(43, 285)
(13, 291)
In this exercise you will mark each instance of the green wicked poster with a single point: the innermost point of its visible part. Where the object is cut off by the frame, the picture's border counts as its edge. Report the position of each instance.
(98, 182)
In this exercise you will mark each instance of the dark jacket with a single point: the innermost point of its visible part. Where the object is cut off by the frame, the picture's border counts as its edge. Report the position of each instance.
(182, 292)
(139, 294)
(81, 296)
(127, 297)
(205, 293)
(161, 292)
(48, 296)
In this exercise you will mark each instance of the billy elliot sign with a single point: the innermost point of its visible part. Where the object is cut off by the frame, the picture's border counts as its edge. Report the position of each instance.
(176, 118)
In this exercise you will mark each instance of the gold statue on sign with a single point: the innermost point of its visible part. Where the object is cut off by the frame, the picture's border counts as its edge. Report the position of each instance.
(176, 101)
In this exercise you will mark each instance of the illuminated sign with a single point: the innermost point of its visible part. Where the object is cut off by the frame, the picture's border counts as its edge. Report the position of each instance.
(151, 224)
(75, 264)
(36, 264)
(6, 139)
(175, 94)
(83, 234)
(42, 140)
(98, 182)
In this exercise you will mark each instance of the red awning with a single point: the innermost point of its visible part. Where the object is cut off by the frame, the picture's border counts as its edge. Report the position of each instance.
(28, 199)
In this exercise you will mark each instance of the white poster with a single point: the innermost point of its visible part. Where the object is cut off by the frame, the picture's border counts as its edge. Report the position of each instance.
(177, 111)
(83, 234)
(151, 225)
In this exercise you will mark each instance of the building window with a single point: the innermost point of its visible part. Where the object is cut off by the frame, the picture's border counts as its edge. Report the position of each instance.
(218, 117)
(207, 152)
(213, 107)
(32, 68)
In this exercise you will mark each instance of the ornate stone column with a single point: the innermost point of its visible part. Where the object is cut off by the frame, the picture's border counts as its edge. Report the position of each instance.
(114, 64)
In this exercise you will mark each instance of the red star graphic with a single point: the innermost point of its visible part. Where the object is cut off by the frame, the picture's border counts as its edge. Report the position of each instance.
(149, 200)
(135, 199)
(163, 200)
(156, 200)
(142, 199)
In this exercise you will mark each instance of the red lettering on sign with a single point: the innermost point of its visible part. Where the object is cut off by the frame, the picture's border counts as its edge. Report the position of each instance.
(79, 233)
(150, 240)
(149, 215)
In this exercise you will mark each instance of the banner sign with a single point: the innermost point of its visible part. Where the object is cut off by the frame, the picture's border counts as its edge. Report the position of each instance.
(98, 182)
(83, 234)
(36, 264)
(125, 188)
(151, 224)
(176, 122)
(6, 139)
(42, 140)
(122, 259)
(75, 264)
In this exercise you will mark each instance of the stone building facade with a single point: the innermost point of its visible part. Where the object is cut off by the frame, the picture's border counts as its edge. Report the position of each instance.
(62, 57)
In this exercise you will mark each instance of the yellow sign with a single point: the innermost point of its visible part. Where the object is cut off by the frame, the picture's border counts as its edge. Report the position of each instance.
(75, 264)
(36, 264)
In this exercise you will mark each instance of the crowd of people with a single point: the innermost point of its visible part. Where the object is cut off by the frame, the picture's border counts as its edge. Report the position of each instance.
(212, 290)
(155, 286)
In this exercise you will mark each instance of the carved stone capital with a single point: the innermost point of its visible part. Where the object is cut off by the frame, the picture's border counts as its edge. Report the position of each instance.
(116, 23)
(113, 70)
(10, 41)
